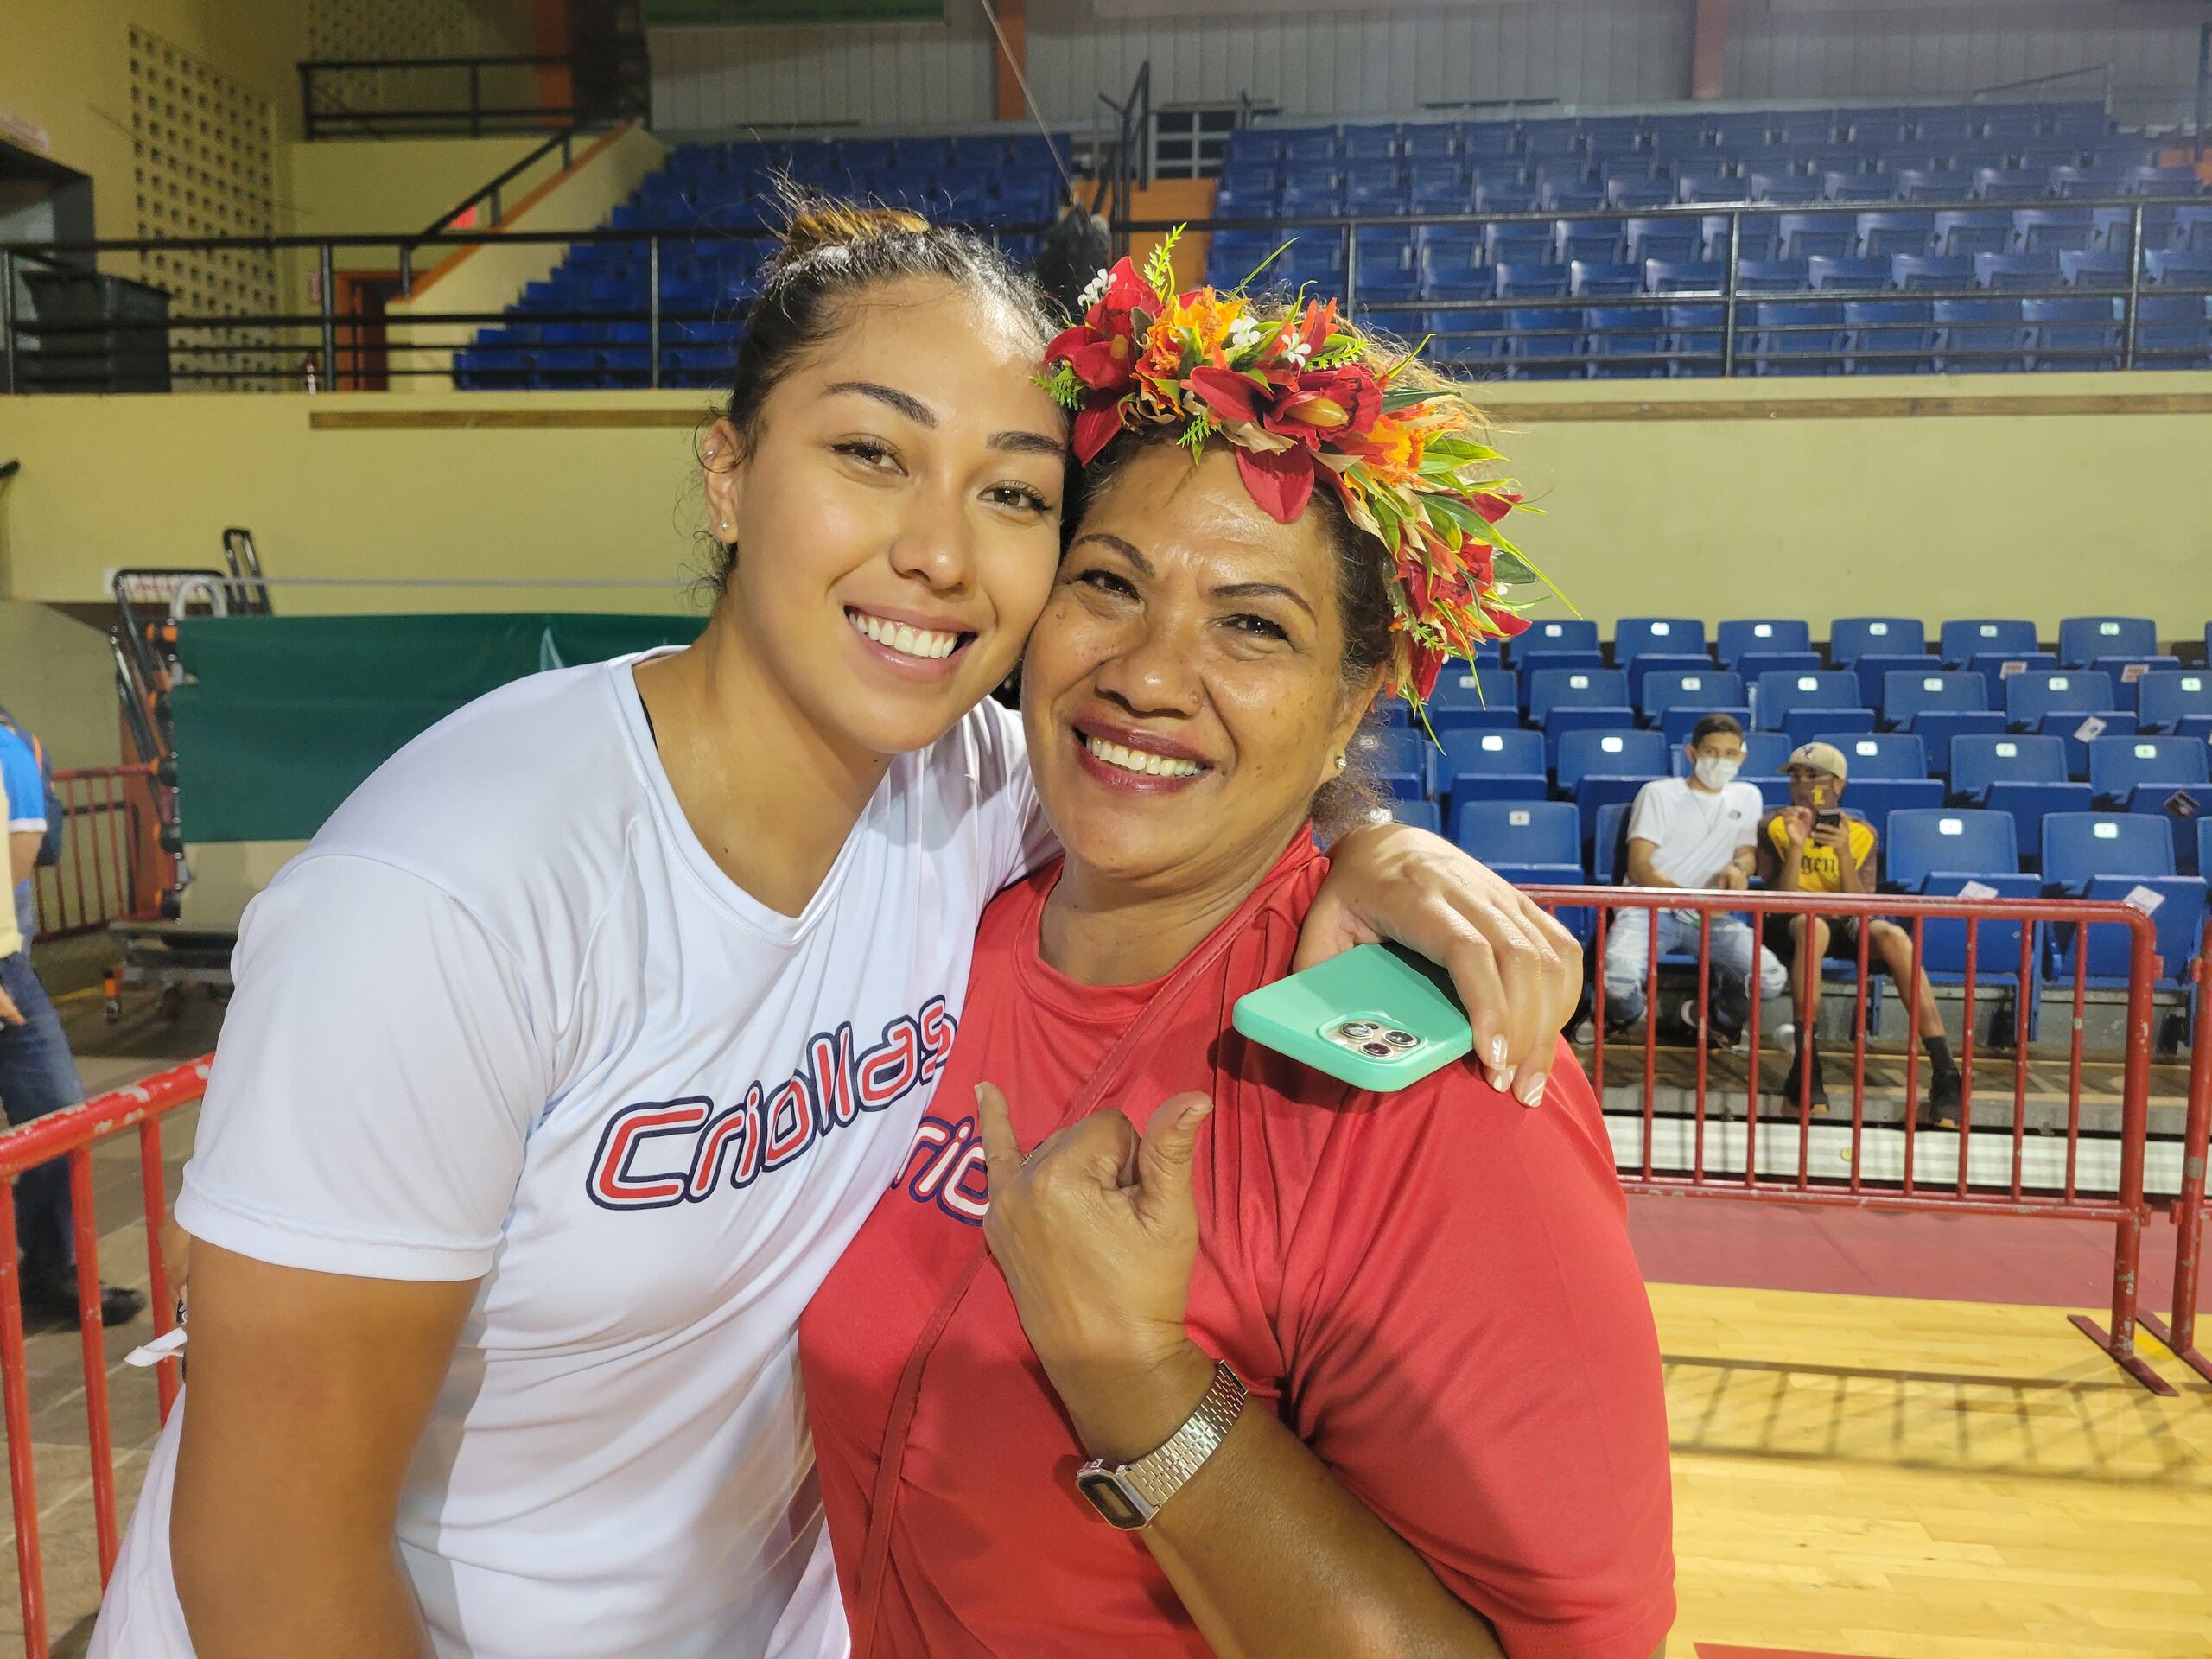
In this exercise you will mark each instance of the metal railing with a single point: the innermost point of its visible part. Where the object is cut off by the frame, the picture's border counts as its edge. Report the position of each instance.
(451, 94)
(1709, 342)
(111, 864)
(1741, 1142)
(1751, 1142)
(487, 195)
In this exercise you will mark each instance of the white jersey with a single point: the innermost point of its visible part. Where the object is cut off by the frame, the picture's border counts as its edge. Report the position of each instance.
(1695, 833)
(505, 1019)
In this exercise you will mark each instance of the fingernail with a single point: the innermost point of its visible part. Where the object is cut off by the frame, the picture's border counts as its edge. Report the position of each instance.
(1194, 1114)
(1501, 1080)
(1532, 1092)
(1497, 1050)
(979, 1094)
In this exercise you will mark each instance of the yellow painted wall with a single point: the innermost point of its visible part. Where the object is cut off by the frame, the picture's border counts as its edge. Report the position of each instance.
(2022, 513)
(490, 277)
(356, 186)
(65, 66)
(58, 679)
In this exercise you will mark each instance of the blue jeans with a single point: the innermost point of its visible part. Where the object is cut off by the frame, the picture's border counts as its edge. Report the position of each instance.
(1628, 959)
(38, 1076)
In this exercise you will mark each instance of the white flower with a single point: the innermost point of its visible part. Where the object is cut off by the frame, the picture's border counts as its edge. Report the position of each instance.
(1096, 291)
(1298, 352)
(1245, 334)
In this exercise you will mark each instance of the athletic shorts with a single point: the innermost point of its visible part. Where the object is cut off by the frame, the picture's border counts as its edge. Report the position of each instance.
(1843, 942)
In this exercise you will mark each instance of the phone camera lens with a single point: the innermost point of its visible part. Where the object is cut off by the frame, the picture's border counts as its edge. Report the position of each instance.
(1401, 1039)
(1377, 1051)
(1358, 1028)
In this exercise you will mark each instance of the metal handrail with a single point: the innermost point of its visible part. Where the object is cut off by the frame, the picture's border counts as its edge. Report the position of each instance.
(476, 112)
(1730, 293)
(563, 140)
(2106, 69)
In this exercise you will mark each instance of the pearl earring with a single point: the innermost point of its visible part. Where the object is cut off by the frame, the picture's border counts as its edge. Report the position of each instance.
(1340, 763)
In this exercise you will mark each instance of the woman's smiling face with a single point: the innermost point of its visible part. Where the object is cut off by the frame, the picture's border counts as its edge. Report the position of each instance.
(897, 522)
(1183, 690)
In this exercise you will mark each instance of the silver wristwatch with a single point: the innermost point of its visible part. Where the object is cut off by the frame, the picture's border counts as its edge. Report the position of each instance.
(1129, 1496)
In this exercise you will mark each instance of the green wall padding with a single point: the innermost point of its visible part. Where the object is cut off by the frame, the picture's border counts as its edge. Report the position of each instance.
(286, 715)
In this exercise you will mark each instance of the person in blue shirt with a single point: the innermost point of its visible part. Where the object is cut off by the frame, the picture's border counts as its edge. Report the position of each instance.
(38, 1074)
(25, 782)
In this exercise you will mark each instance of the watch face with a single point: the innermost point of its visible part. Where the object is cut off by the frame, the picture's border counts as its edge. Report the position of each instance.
(1120, 1506)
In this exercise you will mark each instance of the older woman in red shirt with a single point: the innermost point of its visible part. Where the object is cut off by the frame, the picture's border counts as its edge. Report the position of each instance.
(1277, 1367)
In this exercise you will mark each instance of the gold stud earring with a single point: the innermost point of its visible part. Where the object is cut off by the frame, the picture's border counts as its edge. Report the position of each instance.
(1340, 763)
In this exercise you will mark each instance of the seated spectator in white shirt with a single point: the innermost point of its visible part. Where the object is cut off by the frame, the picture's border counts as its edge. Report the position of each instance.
(1698, 833)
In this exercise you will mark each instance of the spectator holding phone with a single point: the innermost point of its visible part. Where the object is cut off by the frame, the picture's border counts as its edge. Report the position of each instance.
(1697, 832)
(1812, 845)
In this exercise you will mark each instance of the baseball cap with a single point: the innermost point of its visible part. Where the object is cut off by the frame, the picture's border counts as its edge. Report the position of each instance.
(1825, 757)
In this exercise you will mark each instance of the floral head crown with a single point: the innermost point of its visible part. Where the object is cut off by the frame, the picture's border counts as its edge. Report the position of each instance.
(1297, 402)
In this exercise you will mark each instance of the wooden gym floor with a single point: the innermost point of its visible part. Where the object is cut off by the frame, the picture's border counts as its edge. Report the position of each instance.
(1861, 1468)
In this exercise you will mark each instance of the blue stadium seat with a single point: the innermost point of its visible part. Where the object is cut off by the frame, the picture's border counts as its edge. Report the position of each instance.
(1544, 344)
(2165, 697)
(2082, 640)
(1996, 666)
(2080, 268)
(1701, 688)
(1422, 815)
(1675, 240)
(2097, 856)
(1848, 276)
(1554, 633)
(2030, 699)
(1851, 637)
(1801, 338)
(1885, 235)
(1753, 663)
(1624, 753)
(1909, 693)
(1532, 843)
(1889, 336)
(2127, 674)
(1463, 686)
(1533, 661)
(1735, 637)
(1684, 276)
(1577, 688)
(1627, 342)
(1634, 636)
(2050, 230)
(2023, 776)
(2073, 334)
(1646, 663)
(1909, 271)
(1778, 694)
(2118, 766)
(2180, 268)
(1880, 756)
(1771, 276)
(1805, 235)
(1972, 232)
(1399, 756)
(1492, 767)
(1926, 842)
(1601, 279)
(1875, 798)
(1989, 335)
(1961, 638)
(1609, 844)
(1874, 669)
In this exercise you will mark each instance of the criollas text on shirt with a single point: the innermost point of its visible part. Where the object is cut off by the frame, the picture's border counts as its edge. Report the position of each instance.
(655, 1153)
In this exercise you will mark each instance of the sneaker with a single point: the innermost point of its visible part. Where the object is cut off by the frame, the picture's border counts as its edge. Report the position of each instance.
(1793, 1084)
(1940, 1109)
(1719, 1037)
(53, 1296)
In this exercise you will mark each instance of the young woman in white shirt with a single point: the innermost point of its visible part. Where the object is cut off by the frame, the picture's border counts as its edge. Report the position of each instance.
(566, 1059)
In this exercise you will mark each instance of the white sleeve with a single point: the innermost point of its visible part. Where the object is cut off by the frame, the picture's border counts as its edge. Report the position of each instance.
(1647, 820)
(1756, 809)
(1019, 839)
(378, 1075)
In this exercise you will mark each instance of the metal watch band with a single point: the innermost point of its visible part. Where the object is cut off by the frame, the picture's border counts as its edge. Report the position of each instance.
(1158, 1475)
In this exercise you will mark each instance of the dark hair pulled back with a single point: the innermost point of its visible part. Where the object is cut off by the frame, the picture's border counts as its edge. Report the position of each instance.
(831, 253)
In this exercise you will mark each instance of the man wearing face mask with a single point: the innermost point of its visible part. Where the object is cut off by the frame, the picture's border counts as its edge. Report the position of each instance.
(1698, 833)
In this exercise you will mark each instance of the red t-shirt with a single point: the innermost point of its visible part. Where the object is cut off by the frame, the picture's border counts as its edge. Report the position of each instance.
(1433, 1290)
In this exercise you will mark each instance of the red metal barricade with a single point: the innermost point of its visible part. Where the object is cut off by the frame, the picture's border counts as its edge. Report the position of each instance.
(113, 866)
(71, 1134)
(1981, 1183)
(2189, 1203)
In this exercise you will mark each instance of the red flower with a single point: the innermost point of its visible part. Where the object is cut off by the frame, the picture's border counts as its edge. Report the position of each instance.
(1231, 396)
(1423, 667)
(1493, 504)
(1325, 404)
(1281, 480)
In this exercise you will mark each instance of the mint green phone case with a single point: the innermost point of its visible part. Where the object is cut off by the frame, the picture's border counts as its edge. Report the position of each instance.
(1374, 1017)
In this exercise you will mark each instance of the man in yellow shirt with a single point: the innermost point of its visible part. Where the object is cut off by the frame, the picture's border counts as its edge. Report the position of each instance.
(38, 1076)
(1812, 845)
